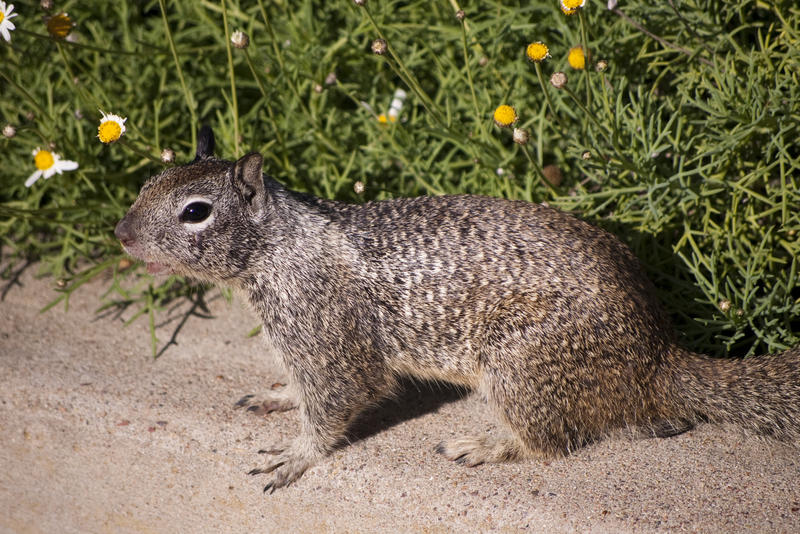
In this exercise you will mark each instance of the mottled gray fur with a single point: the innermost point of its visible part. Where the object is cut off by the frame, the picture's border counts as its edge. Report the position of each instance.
(547, 316)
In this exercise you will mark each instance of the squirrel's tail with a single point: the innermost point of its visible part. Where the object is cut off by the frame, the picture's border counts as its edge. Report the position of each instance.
(760, 394)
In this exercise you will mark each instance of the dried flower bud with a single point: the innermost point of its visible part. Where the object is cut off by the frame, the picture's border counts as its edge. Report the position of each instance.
(724, 305)
(9, 131)
(379, 46)
(520, 136)
(46, 5)
(167, 155)
(558, 80)
(330, 79)
(317, 88)
(360, 3)
(240, 39)
(358, 187)
(78, 114)
(601, 65)
(553, 174)
(59, 26)
(586, 155)
(460, 14)
(483, 61)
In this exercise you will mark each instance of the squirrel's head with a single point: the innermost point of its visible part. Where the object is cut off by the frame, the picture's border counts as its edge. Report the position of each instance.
(196, 219)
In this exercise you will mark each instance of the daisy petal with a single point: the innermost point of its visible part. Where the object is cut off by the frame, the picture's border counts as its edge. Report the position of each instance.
(32, 179)
(67, 165)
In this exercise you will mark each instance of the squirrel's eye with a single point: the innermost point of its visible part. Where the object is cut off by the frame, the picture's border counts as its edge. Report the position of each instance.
(196, 212)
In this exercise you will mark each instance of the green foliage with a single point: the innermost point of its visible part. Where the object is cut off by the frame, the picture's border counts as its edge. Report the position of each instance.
(685, 146)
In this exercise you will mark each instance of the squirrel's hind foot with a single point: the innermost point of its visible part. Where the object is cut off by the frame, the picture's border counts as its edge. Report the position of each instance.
(476, 450)
(274, 401)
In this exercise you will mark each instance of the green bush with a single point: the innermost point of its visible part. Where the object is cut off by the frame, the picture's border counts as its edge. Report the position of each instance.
(680, 135)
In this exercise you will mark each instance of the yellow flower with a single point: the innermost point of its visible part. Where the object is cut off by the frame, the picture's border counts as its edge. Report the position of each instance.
(59, 25)
(567, 11)
(5, 20)
(571, 5)
(537, 51)
(505, 116)
(576, 58)
(47, 164)
(111, 127)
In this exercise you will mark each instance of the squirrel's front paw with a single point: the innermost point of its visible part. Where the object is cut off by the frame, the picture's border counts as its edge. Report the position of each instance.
(286, 467)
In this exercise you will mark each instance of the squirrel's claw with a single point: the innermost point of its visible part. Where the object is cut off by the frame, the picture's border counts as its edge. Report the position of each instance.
(285, 468)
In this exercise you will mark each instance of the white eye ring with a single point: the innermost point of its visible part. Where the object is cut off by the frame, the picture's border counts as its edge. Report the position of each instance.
(196, 226)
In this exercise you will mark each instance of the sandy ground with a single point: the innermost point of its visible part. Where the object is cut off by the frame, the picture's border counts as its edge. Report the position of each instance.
(97, 436)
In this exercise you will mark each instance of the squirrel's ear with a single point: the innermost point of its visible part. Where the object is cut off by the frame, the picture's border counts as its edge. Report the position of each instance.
(247, 177)
(205, 143)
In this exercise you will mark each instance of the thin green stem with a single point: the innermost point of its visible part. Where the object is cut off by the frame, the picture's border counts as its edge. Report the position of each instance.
(625, 161)
(544, 86)
(32, 101)
(318, 130)
(234, 103)
(539, 170)
(402, 71)
(187, 95)
(105, 51)
(584, 109)
(663, 42)
(85, 94)
(469, 77)
(278, 134)
(586, 60)
(398, 150)
(279, 57)
(146, 155)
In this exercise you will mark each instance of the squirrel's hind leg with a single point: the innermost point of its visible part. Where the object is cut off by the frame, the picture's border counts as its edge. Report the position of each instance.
(536, 381)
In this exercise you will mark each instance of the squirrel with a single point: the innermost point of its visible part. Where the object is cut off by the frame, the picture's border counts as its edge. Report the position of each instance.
(550, 318)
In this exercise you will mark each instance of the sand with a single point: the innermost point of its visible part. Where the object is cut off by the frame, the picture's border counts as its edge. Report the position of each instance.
(98, 436)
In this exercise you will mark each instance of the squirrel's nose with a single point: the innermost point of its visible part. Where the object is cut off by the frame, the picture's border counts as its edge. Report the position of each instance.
(124, 232)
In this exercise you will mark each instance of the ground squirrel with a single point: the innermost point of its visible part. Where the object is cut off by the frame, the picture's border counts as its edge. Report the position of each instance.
(550, 318)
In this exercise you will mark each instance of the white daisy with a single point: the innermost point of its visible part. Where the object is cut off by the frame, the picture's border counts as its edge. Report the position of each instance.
(47, 164)
(5, 20)
(111, 127)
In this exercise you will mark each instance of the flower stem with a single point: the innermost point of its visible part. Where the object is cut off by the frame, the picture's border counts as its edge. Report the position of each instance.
(545, 91)
(627, 163)
(318, 130)
(234, 103)
(663, 42)
(187, 95)
(278, 135)
(469, 78)
(400, 69)
(539, 171)
(585, 45)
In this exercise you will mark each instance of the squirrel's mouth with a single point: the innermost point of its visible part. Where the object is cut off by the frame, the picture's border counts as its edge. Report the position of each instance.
(153, 267)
